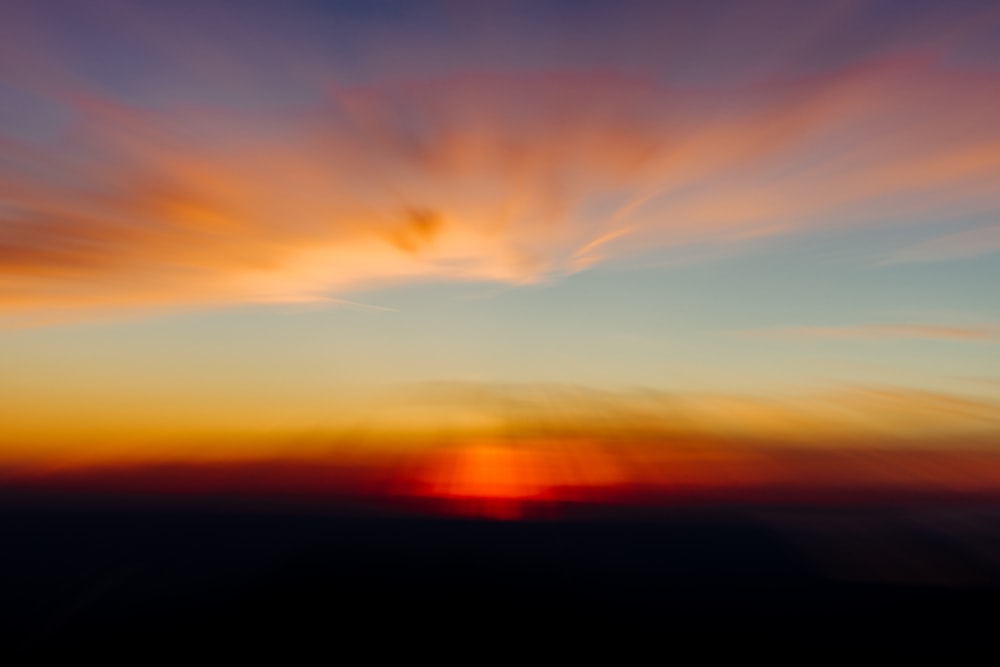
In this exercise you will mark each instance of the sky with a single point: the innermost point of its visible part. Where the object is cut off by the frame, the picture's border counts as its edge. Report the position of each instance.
(248, 229)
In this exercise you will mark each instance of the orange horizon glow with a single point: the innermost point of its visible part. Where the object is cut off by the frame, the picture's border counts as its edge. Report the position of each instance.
(517, 479)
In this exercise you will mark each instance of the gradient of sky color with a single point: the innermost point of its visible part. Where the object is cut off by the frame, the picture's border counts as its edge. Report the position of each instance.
(235, 218)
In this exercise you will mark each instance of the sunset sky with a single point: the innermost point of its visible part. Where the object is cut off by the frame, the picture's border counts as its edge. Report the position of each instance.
(245, 228)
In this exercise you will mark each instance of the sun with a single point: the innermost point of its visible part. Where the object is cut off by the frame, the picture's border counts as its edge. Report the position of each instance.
(488, 478)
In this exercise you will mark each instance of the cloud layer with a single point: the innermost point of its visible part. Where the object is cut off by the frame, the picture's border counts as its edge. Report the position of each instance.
(110, 199)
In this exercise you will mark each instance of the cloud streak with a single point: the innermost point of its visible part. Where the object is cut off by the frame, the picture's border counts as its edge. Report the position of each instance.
(966, 244)
(877, 332)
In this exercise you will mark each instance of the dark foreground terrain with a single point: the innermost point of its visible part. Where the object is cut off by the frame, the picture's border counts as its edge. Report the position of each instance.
(141, 578)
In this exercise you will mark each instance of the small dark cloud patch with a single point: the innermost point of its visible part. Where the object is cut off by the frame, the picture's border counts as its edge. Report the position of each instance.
(418, 230)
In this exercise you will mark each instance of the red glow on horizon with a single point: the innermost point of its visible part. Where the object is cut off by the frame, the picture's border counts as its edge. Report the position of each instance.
(534, 479)
(488, 479)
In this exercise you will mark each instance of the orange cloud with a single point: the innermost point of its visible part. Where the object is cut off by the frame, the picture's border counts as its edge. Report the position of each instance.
(516, 178)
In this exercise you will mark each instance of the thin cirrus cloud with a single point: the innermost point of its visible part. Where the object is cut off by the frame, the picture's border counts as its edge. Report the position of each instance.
(966, 244)
(515, 176)
(989, 333)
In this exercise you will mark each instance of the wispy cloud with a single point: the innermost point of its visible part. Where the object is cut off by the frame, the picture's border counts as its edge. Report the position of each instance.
(575, 407)
(218, 191)
(457, 413)
(874, 332)
(976, 242)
